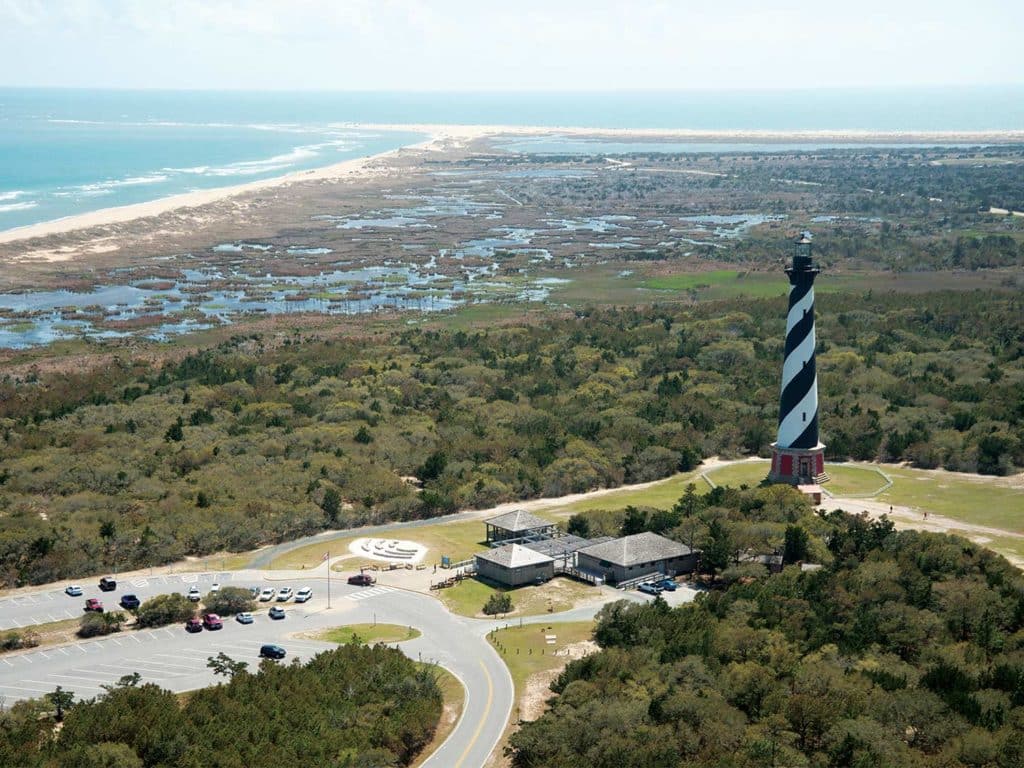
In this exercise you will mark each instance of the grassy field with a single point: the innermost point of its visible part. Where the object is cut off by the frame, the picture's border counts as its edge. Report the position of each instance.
(369, 634)
(457, 540)
(847, 479)
(526, 652)
(662, 494)
(560, 594)
(50, 633)
(981, 501)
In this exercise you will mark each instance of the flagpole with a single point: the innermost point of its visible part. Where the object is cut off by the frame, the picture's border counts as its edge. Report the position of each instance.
(328, 578)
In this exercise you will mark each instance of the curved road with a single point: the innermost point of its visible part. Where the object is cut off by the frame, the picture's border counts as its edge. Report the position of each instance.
(176, 660)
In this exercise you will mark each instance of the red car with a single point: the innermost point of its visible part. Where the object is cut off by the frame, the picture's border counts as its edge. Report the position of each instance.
(362, 580)
(212, 621)
(193, 625)
(93, 604)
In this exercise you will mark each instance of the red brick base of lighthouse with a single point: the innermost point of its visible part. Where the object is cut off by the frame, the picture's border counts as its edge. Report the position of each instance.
(798, 466)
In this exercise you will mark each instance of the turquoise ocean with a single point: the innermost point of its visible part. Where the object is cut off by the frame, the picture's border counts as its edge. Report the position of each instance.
(65, 152)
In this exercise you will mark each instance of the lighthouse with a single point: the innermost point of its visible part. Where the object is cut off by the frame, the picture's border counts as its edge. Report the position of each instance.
(798, 457)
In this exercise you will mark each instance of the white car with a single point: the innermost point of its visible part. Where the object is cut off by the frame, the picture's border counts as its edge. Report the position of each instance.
(193, 594)
(284, 594)
(303, 595)
(214, 588)
(267, 594)
(73, 590)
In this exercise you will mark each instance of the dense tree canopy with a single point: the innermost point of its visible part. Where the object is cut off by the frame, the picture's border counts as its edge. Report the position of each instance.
(281, 441)
(354, 707)
(907, 649)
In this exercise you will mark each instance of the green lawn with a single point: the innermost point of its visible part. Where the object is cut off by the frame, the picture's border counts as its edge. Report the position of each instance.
(370, 634)
(981, 501)
(526, 652)
(662, 495)
(560, 594)
(457, 540)
(846, 479)
(722, 283)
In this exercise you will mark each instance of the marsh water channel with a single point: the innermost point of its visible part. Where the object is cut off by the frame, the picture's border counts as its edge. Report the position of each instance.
(499, 257)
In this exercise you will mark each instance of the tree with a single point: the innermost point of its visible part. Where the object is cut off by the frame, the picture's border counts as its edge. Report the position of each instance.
(229, 600)
(331, 504)
(796, 546)
(222, 664)
(106, 754)
(689, 503)
(499, 602)
(717, 549)
(433, 467)
(363, 435)
(61, 700)
(124, 681)
(175, 433)
(578, 525)
(164, 609)
(635, 521)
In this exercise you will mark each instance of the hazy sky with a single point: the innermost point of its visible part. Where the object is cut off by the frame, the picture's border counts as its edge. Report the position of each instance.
(512, 44)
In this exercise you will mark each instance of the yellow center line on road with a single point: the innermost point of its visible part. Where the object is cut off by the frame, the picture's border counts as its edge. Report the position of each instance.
(483, 718)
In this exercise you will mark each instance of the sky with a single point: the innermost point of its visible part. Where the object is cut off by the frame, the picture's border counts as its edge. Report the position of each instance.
(428, 45)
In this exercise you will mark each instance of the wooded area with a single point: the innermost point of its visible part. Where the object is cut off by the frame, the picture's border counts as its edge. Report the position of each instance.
(905, 650)
(229, 448)
(353, 707)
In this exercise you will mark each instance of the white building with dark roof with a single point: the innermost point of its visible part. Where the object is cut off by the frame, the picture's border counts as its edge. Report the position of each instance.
(514, 565)
(631, 557)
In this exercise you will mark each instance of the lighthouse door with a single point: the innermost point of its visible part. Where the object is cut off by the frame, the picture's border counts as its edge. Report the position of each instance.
(805, 468)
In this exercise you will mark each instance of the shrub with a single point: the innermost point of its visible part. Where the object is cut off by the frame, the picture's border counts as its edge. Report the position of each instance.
(499, 602)
(229, 601)
(164, 609)
(97, 624)
(13, 641)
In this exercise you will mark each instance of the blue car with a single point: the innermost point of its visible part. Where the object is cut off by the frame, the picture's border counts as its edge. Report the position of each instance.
(650, 588)
(667, 584)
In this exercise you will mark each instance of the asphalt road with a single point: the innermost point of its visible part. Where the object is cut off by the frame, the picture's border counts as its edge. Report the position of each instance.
(175, 659)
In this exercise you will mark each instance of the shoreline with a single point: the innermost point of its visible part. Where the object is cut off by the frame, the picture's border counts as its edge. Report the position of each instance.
(457, 136)
(358, 167)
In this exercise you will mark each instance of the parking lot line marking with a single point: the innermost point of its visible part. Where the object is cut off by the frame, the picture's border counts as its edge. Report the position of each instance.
(44, 654)
(8, 662)
(81, 648)
(135, 638)
(26, 659)
(17, 623)
(152, 636)
(52, 617)
(115, 641)
(78, 682)
(26, 688)
(64, 651)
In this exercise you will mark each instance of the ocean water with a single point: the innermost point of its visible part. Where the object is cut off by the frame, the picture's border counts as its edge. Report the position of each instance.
(64, 152)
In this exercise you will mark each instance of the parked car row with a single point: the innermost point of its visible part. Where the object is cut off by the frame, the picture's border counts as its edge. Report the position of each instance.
(657, 587)
(282, 595)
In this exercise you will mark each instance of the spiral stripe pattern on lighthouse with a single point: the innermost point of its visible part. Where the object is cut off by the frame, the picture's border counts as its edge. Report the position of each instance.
(798, 403)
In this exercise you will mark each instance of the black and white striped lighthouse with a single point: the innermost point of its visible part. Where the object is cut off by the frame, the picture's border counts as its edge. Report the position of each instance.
(798, 457)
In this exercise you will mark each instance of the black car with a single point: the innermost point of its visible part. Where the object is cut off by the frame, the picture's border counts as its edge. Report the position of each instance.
(108, 584)
(271, 652)
(130, 602)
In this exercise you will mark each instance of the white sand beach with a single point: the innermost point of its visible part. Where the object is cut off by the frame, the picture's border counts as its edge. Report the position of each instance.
(457, 136)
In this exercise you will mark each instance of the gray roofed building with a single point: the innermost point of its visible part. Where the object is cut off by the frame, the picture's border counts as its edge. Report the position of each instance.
(518, 525)
(639, 548)
(513, 556)
(514, 565)
(631, 557)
